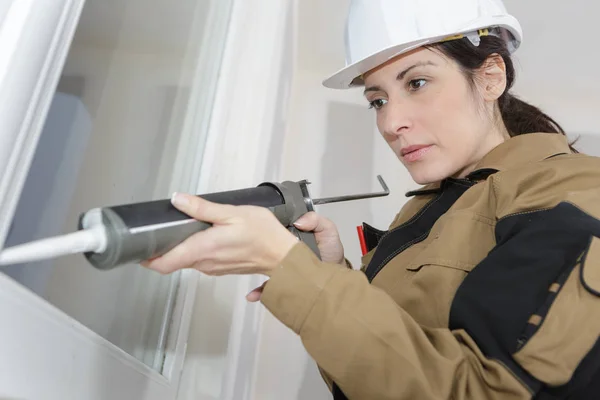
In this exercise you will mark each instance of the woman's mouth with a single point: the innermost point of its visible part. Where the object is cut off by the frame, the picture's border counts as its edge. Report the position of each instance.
(414, 153)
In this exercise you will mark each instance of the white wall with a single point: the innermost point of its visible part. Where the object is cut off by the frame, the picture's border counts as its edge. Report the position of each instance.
(556, 66)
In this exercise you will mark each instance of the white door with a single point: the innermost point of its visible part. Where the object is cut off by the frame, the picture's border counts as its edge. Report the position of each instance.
(102, 102)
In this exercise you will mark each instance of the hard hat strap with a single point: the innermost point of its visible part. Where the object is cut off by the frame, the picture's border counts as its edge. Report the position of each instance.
(474, 37)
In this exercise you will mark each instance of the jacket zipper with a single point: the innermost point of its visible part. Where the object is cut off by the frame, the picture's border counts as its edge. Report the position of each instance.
(372, 271)
(411, 220)
(424, 208)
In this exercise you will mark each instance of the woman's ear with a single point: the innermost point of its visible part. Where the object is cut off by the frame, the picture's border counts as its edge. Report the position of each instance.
(492, 77)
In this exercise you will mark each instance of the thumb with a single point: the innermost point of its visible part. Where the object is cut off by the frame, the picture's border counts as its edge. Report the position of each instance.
(307, 222)
(313, 222)
(201, 209)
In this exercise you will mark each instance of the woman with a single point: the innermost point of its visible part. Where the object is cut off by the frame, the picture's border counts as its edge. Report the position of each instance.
(487, 284)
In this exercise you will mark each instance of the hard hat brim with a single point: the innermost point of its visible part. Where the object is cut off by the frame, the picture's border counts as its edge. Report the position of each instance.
(345, 77)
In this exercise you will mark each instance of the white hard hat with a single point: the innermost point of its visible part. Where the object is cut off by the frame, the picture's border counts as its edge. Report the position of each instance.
(379, 30)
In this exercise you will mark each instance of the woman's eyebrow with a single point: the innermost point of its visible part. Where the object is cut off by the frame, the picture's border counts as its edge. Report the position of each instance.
(401, 75)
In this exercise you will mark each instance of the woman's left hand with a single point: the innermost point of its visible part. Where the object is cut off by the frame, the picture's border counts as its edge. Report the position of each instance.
(242, 240)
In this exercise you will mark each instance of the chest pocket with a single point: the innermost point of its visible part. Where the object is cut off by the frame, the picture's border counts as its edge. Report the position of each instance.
(424, 279)
(458, 240)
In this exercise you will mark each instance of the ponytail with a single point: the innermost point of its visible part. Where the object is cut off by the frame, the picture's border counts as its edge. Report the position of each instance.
(518, 116)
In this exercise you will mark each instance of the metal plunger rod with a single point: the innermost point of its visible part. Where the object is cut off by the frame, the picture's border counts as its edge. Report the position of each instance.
(338, 199)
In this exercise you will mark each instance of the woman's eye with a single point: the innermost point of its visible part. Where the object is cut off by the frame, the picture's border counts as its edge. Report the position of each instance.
(377, 104)
(416, 84)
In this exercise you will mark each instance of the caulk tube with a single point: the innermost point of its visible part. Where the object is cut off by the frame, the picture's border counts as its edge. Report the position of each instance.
(141, 231)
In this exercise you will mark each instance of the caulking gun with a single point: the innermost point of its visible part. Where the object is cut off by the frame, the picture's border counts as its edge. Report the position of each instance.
(131, 233)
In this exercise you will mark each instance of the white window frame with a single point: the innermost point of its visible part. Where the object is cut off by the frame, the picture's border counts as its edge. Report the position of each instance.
(44, 353)
(242, 151)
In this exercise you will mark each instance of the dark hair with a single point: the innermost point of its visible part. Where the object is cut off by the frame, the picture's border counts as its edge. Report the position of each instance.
(518, 116)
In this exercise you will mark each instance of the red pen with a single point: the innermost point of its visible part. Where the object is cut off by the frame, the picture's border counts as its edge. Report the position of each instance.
(361, 239)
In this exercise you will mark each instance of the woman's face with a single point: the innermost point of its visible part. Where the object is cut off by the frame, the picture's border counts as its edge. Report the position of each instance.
(436, 123)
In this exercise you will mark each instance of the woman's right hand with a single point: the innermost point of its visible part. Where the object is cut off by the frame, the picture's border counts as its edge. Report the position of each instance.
(326, 235)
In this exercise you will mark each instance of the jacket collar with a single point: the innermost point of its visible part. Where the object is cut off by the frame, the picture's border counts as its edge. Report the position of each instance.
(523, 149)
(514, 152)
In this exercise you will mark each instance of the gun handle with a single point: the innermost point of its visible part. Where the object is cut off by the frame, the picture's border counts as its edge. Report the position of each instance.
(308, 238)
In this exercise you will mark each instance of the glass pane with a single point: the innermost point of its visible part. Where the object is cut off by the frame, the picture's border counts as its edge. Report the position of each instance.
(111, 137)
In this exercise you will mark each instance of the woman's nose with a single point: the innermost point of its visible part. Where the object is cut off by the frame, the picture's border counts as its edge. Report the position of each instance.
(396, 121)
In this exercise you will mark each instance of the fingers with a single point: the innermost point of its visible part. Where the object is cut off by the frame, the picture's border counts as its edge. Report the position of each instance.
(179, 257)
(201, 209)
(255, 294)
(312, 221)
(241, 240)
(147, 262)
(196, 249)
(308, 222)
